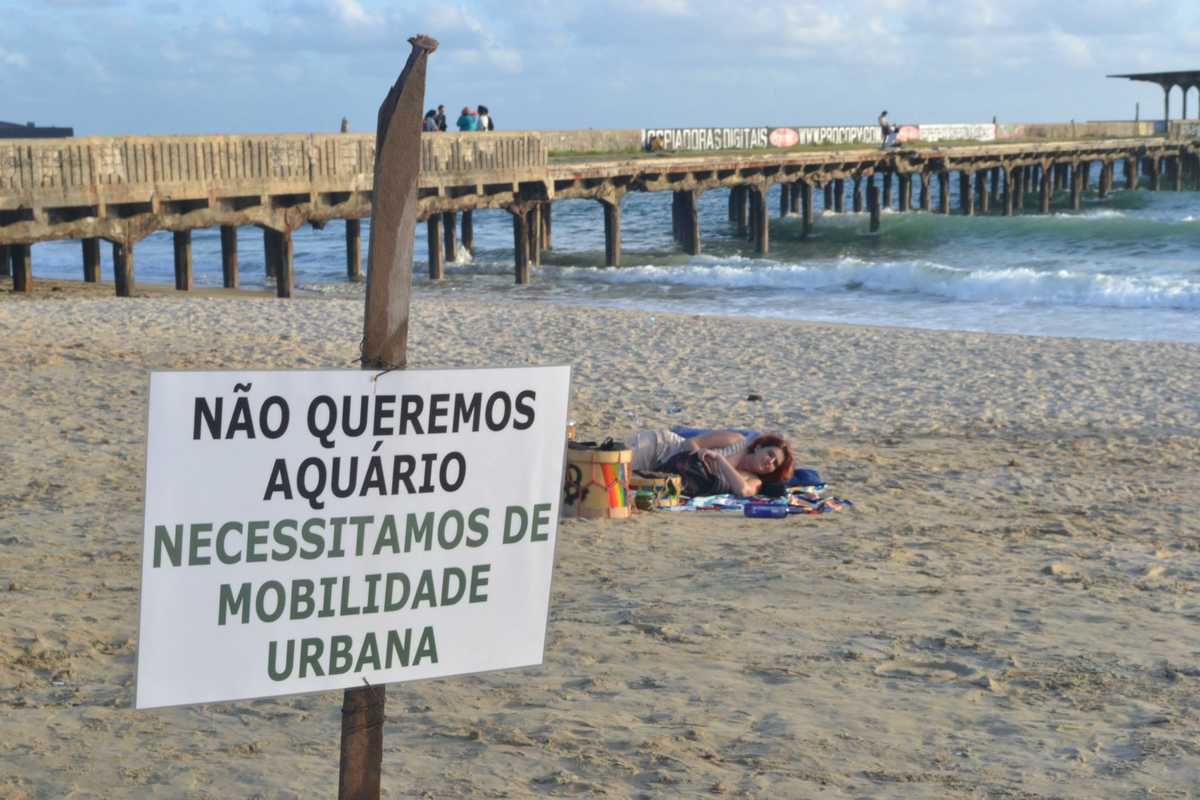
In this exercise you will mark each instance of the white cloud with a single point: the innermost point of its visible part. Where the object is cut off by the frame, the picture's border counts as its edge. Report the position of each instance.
(1072, 49)
(351, 12)
(8, 58)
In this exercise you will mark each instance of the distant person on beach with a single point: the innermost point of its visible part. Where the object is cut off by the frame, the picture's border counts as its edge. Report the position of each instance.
(440, 119)
(485, 119)
(468, 120)
(429, 124)
(718, 462)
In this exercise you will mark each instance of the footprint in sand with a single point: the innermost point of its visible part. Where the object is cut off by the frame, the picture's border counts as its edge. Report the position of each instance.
(926, 670)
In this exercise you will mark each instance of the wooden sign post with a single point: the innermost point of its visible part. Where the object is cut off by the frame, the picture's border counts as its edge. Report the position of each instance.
(384, 347)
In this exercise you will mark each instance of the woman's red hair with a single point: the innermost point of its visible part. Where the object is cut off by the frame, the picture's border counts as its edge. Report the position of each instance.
(783, 472)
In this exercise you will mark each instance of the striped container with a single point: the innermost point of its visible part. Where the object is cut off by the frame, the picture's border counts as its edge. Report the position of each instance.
(597, 483)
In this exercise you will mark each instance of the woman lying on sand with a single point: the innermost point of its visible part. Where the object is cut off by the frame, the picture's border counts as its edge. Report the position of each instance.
(718, 462)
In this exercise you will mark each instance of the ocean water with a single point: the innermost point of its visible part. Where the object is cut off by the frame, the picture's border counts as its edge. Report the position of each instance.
(1125, 267)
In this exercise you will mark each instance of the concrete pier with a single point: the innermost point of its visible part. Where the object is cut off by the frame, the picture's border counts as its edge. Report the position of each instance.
(121, 189)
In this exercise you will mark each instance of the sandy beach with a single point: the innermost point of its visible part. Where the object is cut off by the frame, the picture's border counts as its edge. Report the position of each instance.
(1010, 610)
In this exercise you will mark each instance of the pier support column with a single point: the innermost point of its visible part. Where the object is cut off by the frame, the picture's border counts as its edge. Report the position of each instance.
(1076, 187)
(229, 257)
(828, 196)
(806, 208)
(1131, 174)
(122, 256)
(981, 188)
(450, 235)
(535, 234)
(741, 211)
(612, 232)
(1175, 171)
(285, 275)
(689, 221)
(905, 191)
(433, 244)
(1105, 179)
(1155, 170)
(91, 260)
(1019, 190)
(269, 258)
(468, 231)
(785, 199)
(887, 189)
(353, 250)
(21, 259)
(520, 223)
(183, 260)
(966, 201)
(858, 194)
(1010, 180)
(943, 192)
(547, 236)
(925, 199)
(761, 222)
(795, 195)
(873, 205)
(1046, 191)
(839, 195)
(6, 261)
(994, 189)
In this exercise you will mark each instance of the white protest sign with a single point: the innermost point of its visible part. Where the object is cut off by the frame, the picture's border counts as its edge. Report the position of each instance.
(306, 530)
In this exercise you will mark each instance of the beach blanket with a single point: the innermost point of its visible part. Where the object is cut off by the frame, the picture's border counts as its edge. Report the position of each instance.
(795, 503)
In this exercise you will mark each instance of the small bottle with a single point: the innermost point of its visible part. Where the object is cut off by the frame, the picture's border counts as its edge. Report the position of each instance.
(765, 510)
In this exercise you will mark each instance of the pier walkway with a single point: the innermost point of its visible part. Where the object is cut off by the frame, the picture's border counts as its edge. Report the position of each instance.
(121, 189)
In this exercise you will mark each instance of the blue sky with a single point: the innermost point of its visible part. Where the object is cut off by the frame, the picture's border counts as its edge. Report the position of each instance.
(160, 66)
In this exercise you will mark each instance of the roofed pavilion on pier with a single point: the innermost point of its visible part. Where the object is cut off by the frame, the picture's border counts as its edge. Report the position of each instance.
(1185, 79)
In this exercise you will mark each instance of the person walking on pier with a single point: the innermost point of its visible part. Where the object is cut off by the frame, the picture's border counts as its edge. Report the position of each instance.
(887, 130)
(440, 119)
(429, 124)
(485, 120)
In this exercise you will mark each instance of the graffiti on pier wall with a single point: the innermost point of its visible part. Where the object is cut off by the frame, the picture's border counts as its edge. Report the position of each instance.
(976, 132)
(704, 138)
(839, 134)
(749, 138)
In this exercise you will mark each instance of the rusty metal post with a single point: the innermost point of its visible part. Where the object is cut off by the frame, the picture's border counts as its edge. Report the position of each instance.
(943, 192)
(785, 199)
(1046, 191)
(887, 189)
(873, 205)
(6, 261)
(926, 201)
(858, 194)
(385, 346)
